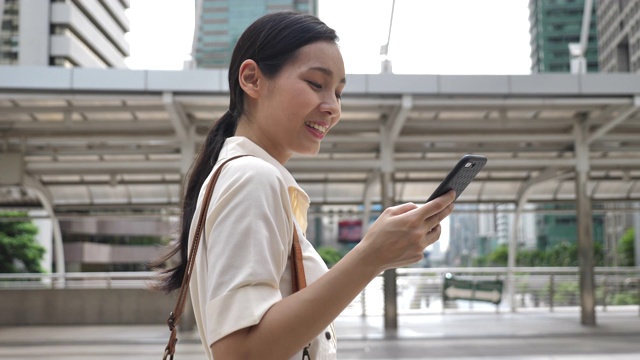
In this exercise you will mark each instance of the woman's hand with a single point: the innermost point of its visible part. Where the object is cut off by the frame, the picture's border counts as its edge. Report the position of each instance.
(401, 233)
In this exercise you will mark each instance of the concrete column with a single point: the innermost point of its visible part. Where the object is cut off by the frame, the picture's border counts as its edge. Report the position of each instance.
(585, 225)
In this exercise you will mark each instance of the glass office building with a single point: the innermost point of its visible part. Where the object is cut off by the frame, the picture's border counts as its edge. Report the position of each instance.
(619, 35)
(554, 24)
(219, 24)
(64, 33)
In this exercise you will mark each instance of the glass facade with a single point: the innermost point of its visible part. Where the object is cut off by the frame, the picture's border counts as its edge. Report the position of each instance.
(554, 24)
(9, 32)
(560, 226)
(221, 22)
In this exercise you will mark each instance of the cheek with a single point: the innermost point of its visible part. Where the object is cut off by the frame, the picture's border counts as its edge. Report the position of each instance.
(335, 122)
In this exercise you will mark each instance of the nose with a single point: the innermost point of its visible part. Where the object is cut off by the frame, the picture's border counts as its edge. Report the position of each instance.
(331, 106)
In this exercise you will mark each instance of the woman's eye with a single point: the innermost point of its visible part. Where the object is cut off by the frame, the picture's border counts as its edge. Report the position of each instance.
(315, 85)
(338, 96)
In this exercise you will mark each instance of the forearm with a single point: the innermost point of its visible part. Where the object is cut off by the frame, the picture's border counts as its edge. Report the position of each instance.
(294, 321)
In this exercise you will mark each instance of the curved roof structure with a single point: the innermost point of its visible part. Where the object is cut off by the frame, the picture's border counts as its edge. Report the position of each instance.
(123, 139)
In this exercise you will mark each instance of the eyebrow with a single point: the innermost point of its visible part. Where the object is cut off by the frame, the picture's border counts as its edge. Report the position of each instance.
(327, 72)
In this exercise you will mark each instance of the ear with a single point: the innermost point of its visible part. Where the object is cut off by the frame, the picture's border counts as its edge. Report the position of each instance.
(250, 78)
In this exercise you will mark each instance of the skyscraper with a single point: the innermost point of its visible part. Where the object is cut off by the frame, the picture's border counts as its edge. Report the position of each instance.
(219, 24)
(619, 35)
(554, 24)
(69, 33)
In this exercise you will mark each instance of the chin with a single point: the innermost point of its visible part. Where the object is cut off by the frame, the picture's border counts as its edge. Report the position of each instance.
(309, 151)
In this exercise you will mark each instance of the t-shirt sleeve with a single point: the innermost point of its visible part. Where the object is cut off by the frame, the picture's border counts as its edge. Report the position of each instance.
(249, 230)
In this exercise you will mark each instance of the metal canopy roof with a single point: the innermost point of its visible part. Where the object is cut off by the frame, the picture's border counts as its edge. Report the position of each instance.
(122, 138)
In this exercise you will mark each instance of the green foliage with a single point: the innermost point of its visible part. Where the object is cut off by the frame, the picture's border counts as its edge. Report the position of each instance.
(626, 248)
(531, 257)
(567, 294)
(563, 254)
(330, 255)
(499, 257)
(625, 299)
(19, 251)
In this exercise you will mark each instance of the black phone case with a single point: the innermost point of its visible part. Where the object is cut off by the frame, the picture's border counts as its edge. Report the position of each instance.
(460, 176)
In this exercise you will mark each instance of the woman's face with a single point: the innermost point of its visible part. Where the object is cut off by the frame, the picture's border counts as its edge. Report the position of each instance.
(297, 108)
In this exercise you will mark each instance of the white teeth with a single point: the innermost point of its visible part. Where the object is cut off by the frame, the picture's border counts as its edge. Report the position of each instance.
(322, 129)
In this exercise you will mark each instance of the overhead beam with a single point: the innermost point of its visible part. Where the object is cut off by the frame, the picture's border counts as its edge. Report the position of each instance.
(326, 165)
(602, 130)
(517, 103)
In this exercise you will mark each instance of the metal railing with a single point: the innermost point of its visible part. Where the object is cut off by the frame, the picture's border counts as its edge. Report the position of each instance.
(77, 280)
(419, 291)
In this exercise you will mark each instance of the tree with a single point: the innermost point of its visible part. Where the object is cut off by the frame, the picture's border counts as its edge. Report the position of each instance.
(626, 248)
(19, 250)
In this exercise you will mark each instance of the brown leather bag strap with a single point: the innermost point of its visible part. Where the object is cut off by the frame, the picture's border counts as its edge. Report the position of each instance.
(174, 316)
(298, 278)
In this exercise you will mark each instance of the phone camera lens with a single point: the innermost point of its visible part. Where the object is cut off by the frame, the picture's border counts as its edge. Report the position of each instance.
(469, 164)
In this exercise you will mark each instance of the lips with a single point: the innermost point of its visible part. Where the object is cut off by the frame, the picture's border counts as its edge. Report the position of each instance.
(318, 127)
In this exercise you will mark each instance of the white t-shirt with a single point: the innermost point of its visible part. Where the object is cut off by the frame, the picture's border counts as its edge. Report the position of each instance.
(242, 267)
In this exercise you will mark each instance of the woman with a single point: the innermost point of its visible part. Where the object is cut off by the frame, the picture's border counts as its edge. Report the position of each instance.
(285, 79)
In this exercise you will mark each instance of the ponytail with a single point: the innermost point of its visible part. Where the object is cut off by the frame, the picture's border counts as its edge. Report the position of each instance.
(171, 278)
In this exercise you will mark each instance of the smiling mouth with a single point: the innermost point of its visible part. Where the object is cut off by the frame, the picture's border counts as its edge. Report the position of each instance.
(318, 127)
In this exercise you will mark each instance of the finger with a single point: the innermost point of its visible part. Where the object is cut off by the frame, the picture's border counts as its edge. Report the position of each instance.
(432, 236)
(435, 219)
(438, 204)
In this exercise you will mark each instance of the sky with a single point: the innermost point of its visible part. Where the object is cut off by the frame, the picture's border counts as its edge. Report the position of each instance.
(448, 37)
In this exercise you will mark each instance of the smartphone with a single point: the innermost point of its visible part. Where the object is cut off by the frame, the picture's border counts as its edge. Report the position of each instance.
(460, 176)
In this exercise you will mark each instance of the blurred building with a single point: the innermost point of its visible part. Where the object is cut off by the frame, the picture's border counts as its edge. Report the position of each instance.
(68, 33)
(557, 224)
(219, 24)
(619, 35)
(464, 236)
(554, 24)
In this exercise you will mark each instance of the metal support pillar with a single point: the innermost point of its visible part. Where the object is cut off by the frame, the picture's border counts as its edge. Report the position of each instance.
(636, 225)
(366, 200)
(389, 276)
(513, 250)
(388, 199)
(585, 224)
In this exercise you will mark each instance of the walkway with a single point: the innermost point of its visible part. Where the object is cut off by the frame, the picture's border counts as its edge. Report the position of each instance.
(453, 336)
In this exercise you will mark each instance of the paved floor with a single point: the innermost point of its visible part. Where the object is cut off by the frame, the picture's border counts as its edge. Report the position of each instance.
(520, 336)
